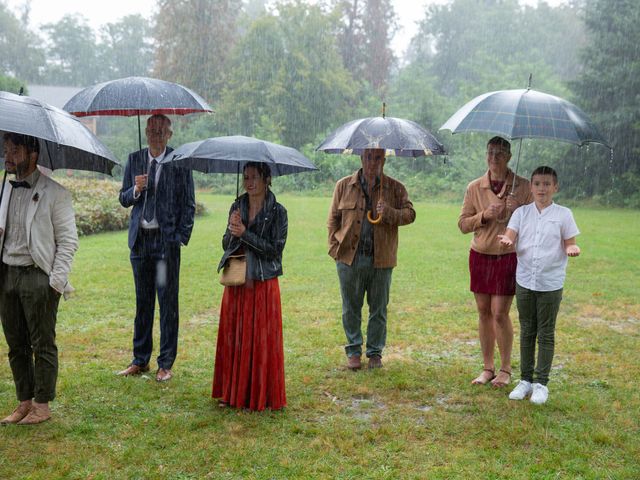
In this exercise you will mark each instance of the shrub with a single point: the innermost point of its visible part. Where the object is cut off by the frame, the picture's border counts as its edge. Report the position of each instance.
(96, 205)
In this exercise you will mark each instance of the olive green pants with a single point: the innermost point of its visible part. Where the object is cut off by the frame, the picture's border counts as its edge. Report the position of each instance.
(28, 308)
(538, 312)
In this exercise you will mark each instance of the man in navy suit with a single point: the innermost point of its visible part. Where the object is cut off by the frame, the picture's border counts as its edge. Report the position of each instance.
(161, 221)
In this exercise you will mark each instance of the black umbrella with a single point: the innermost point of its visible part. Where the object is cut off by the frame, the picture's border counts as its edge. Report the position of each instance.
(229, 154)
(399, 137)
(64, 141)
(135, 96)
(525, 113)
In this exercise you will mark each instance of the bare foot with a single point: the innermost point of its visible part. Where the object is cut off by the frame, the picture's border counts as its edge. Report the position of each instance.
(502, 379)
(485, 377)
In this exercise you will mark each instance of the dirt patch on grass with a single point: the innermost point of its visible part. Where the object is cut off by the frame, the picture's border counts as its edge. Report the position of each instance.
(624, 319)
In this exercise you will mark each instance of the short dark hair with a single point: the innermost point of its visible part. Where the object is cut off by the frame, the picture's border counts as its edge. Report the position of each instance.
(263, 169)
(31, 143)
(544, 170)
(165, 120)
(500, 142)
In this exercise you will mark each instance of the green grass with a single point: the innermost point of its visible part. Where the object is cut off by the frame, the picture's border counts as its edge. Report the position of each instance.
(417, 418)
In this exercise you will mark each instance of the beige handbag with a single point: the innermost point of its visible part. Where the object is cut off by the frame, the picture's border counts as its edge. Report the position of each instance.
(234, 271)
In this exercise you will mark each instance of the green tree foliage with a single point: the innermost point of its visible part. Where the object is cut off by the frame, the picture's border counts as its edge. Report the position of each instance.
(193, 39)
(20, 54)
(126, 47)
(286, 81)
(72, 53)
(364, 39)
(609, 89)
(10, 84)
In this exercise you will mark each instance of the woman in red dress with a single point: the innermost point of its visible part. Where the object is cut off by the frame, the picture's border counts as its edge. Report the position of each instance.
(249, 366)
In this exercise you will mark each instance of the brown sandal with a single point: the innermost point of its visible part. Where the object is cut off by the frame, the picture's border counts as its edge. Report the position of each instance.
(501, 384)
(481, 379)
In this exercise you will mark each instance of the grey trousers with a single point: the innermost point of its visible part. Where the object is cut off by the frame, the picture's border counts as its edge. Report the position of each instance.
(356, 280)
(29, 308)
(537, 312)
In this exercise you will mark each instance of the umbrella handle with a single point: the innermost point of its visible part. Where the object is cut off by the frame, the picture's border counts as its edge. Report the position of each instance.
(375, 221)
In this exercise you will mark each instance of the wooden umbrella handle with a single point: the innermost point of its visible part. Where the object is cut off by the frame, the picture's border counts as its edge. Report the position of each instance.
(375, 221)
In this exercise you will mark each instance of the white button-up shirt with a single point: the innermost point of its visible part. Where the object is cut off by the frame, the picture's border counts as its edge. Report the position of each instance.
(542, 260)
(153, 223)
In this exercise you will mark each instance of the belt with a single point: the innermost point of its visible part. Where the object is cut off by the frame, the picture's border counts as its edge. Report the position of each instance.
(149, 231)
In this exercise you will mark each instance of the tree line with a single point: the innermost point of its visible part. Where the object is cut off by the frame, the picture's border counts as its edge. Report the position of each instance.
(292, 71)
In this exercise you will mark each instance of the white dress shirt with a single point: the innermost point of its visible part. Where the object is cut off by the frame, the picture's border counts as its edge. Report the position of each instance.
(153, 223)
(542, 260)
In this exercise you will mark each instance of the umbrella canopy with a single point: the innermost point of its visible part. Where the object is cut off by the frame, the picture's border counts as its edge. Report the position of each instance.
(397, 136)
(64, 141)
(229, 154)
(525, 113)
(132, 96)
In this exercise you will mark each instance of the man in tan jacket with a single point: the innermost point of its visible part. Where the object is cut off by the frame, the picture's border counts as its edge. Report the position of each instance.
(38, 239)
(365, 245)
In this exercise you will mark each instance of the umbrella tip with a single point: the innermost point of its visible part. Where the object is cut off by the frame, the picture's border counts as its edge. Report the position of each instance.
(529, 85)
(21, 92)
(384, 109)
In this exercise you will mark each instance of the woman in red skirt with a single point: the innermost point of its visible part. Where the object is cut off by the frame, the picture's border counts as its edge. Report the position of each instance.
(487, 207)
(249, 366)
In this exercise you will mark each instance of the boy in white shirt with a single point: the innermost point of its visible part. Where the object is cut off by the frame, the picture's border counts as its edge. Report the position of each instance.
(545, 235)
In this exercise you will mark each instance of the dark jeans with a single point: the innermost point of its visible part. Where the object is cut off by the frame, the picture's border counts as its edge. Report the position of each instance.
(356, 280)
(156, 271)
(29, 308)
(538, 312)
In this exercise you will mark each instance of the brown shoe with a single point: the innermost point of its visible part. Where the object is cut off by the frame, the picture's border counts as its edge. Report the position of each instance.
(21, 411)
(375, 361)
(163, 375)
(39, 413)
(134, 369)
(353, 362)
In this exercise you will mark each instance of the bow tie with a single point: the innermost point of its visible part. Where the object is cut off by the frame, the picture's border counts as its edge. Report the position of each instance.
(19, 183)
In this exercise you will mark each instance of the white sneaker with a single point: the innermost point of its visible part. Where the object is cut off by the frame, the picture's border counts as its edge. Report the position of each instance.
(522, 390)
(540, 394)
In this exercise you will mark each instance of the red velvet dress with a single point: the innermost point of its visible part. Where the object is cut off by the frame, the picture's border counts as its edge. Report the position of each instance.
(249, 366)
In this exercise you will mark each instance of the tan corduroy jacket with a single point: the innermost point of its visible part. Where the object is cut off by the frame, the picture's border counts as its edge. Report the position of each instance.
(478, 197)
(348, 212)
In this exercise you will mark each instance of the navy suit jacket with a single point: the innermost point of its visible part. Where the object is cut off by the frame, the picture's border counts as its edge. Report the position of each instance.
(175, 199)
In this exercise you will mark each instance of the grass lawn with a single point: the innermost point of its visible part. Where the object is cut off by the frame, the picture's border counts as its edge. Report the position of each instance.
(418, 417)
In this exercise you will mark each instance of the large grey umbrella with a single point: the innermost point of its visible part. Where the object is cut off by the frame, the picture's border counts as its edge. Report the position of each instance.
(64, 141)
(229, 154)
(525, 113)
(135, 96)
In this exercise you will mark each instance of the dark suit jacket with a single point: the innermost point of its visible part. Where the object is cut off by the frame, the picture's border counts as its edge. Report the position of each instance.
(175, 199)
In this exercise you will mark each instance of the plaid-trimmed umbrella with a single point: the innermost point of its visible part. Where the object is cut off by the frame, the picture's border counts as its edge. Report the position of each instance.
(526, 113)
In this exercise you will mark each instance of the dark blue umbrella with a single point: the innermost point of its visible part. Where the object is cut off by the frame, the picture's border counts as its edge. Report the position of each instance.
(397, 136)
(526, 113)
(135, 96)
(229, 154)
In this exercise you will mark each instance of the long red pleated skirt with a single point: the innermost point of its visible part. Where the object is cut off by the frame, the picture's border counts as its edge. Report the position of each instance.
(249, 368)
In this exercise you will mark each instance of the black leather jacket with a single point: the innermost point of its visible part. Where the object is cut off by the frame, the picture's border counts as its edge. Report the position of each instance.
(263, 241)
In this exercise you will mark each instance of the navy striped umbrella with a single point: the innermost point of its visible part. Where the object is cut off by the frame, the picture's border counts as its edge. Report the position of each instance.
(525, 113)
